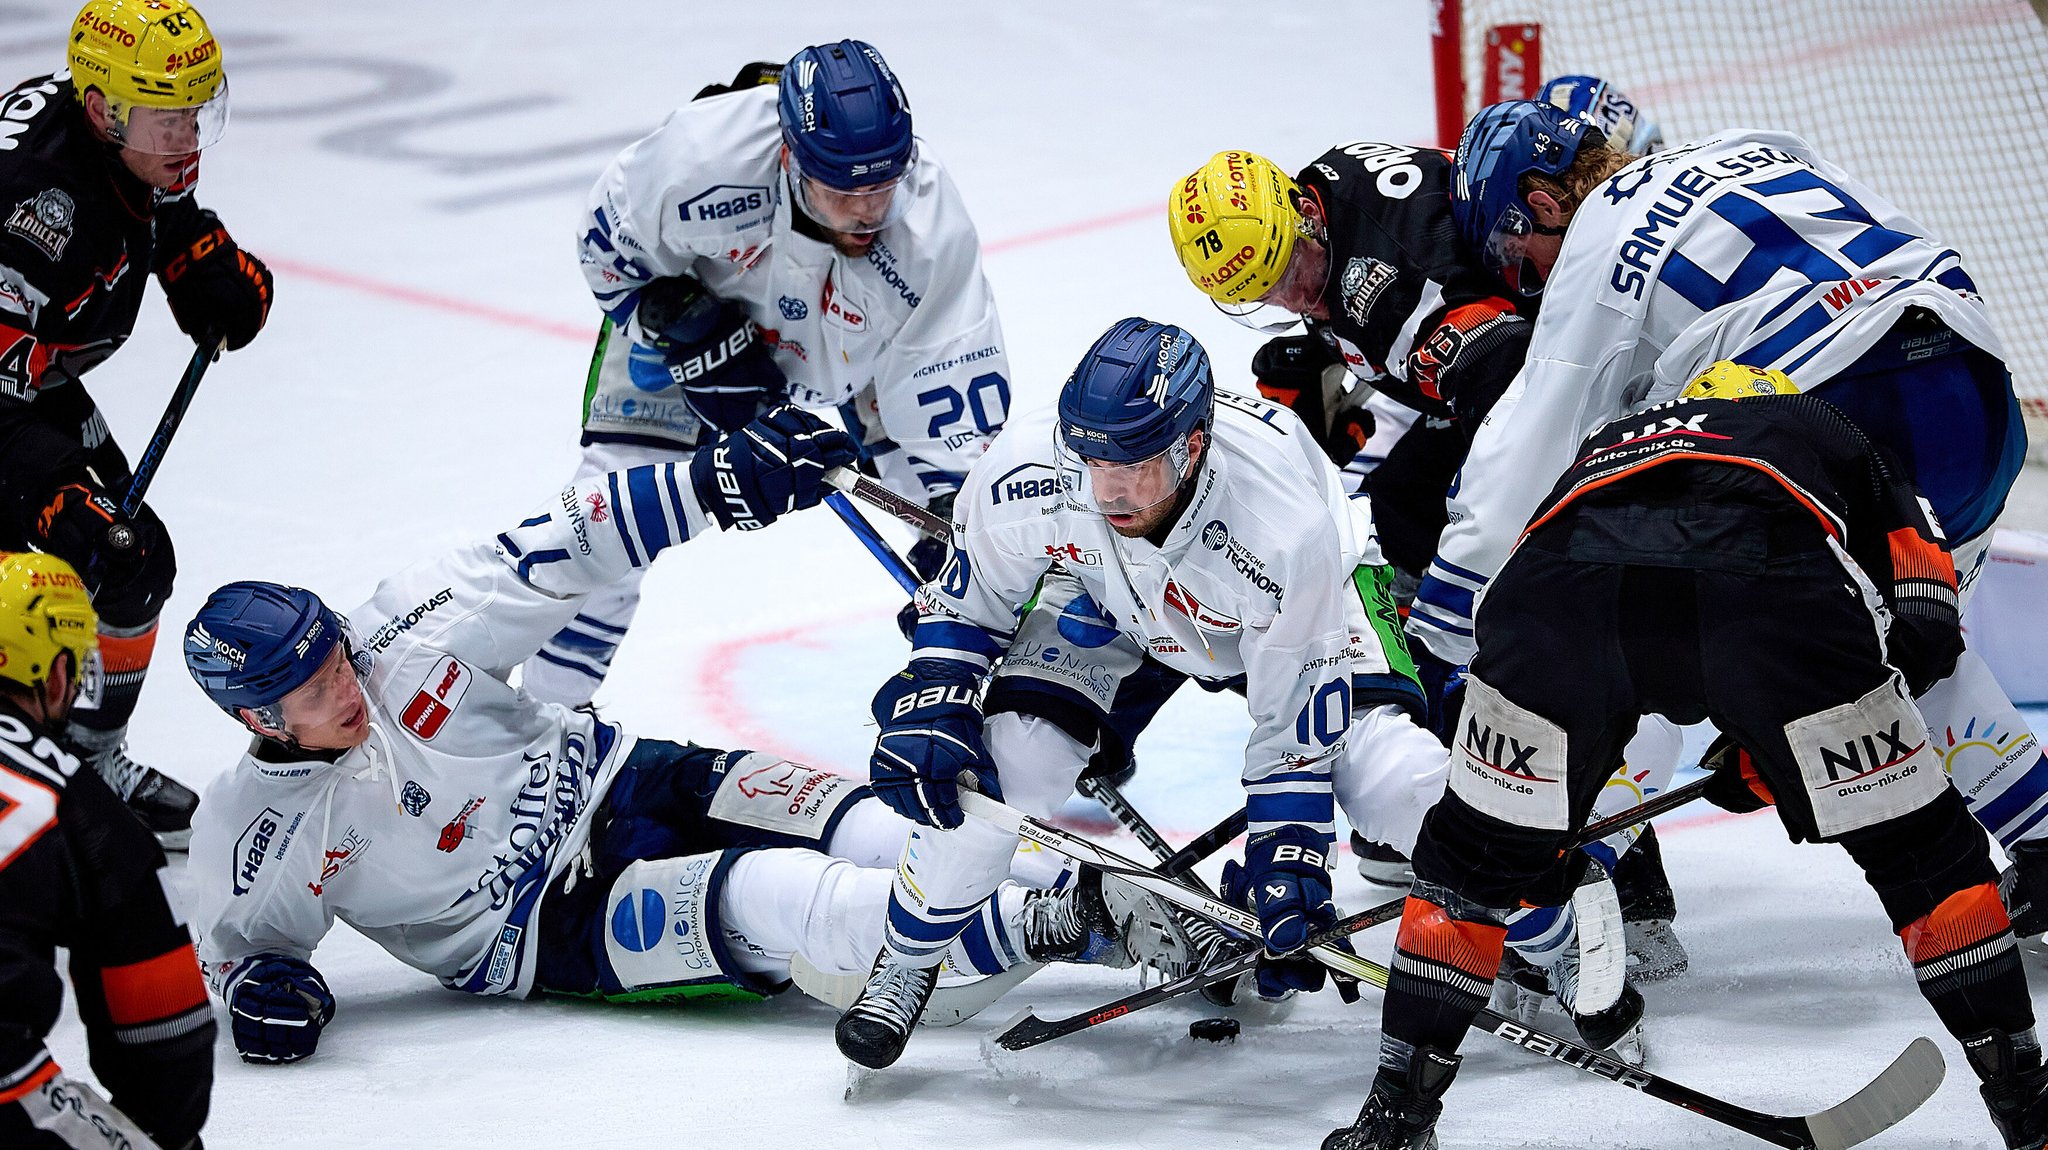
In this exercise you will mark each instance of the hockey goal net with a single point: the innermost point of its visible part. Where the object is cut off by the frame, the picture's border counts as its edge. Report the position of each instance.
(1942, 105)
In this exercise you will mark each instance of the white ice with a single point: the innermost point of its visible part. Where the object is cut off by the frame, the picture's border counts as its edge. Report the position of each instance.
(415, 174)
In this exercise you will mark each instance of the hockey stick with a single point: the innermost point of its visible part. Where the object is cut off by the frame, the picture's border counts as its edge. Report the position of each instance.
(160, 440)
(121, 536)
(1896, 1092)
(875, 495)
(1027, 1029)
(873, 541)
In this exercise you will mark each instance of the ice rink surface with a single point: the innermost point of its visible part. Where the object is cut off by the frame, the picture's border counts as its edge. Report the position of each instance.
(415, 175)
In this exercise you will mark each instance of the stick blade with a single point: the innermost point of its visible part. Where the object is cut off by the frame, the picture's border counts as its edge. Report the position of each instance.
(1026, 1030)
(1909, 1081)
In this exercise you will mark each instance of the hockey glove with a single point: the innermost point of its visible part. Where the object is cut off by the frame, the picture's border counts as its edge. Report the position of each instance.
(216, 290)
(769, 468)
(1923, 648)
(926, 557)
(931, 731)
(692, 340)
(279, 1005)
(1443, 687)
(1290, 372)
(2024, 886)
(1735, 784)
(130, 560)
(1285, 880)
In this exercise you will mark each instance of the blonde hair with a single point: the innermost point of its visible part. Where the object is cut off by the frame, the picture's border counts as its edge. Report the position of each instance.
(1592, 166)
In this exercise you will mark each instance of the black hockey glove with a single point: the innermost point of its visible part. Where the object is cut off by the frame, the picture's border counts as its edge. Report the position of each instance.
(216, 290)
(278, 1006)
(129, 562)
(1735, 784)
(707, 347)
(1285, 880)
(769, 468)
(2024, 886)
(1290, 372)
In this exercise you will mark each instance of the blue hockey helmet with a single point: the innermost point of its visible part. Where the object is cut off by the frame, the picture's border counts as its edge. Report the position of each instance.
(1627, 129)
(1503, 143)
(253, 643)
(1126, 413)
(846, 123)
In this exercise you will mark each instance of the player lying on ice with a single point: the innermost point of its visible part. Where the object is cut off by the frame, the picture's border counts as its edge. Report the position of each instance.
(1153, 531)
(1762, 564)
(399, 783)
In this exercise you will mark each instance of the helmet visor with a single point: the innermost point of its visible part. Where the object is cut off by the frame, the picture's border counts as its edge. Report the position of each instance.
(1101, 487)
(174, 131)
(1506, 250)
(857, 211)
(1298, 290)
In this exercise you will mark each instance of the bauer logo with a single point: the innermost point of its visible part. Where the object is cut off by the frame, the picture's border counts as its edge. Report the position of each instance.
(724, 202)
(438, 696)
(253, 847)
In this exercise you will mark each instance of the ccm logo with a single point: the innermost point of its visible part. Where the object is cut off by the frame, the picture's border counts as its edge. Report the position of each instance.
(932, 697)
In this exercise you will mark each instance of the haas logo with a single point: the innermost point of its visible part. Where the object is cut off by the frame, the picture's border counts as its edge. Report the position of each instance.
(774, 779)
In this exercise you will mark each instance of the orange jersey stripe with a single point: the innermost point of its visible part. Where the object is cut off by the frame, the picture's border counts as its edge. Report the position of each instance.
(31, 1085)
(120, 654)
(1428, 931)
(1827, 524)
(153, 989)
(1917, 558)
(1963, 920)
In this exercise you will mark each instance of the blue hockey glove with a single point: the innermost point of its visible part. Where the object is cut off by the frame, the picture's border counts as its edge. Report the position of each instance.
(709, 348)
(769, 468)
(931, 731)
(279, 1005)
(1285, 879)
(1443, 686)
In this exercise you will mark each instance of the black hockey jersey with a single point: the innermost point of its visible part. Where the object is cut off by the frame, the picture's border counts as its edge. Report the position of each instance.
(1796, 453)
(78, 240)
(1410, 312)
(77, 870)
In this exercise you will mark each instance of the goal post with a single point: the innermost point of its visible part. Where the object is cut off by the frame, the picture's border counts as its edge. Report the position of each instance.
(1942, 105)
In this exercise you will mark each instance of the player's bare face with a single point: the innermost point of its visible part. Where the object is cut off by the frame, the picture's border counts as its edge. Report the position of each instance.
(854, 217)
(328, 712)
(1137, 498)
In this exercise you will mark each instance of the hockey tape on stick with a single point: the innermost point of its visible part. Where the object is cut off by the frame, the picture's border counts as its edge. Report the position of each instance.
(875, 495)
(1895, 1093)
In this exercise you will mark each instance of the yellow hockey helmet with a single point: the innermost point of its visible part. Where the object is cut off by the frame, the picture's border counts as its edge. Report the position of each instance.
(152, 54)
(44, 609)
(1726, 379)
(1234, 222)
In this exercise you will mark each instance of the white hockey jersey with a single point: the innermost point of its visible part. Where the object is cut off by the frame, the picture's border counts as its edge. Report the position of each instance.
(1254, 580)
(908, 332)
(436, 837)
(1743, 246)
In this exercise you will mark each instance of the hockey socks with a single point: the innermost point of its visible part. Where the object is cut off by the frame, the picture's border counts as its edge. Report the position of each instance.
(1441, 978)
(1968, 965)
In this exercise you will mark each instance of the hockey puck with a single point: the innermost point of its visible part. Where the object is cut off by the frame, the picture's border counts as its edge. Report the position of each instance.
(1214, 1029)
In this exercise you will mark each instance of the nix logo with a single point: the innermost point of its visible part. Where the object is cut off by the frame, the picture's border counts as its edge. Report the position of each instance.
(1670, 425)
(1501, 751)
(1873, 752)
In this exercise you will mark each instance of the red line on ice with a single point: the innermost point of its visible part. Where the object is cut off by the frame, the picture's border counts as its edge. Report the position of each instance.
(585, 332)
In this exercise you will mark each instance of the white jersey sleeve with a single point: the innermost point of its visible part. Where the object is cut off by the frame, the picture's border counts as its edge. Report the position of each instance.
(250, 897)
(942, 385)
